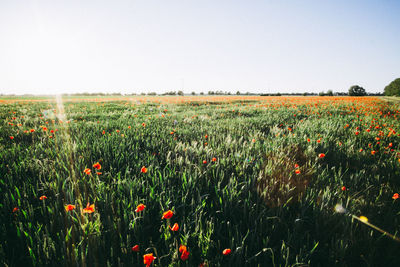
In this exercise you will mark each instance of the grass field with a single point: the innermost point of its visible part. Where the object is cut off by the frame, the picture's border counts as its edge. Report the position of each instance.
(249, 181)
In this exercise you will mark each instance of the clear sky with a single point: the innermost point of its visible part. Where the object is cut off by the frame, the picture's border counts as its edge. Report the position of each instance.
(65, 46)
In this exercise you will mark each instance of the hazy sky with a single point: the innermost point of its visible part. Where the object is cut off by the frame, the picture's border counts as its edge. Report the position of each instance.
(53, 46)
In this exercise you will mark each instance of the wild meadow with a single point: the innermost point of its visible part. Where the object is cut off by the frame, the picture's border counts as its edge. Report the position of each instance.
(200, 181)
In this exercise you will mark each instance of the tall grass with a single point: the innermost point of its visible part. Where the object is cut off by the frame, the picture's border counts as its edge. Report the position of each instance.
(227, 170)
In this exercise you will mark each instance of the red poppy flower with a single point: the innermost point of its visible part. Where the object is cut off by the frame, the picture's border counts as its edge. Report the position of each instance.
(214, 159)
(227, 251)
(144, 124)
(87, 171)
(42, 197)
(44, 129)
(143, 169)
(167, 215)
(135, 248)
(97, 166)
(204, 161)
(11, 137)
(297, 171)
(206, 136)
(373, 152)
(296, 165)
(344, 188)
(140, 207)
(321, 155)
(185, 255)
(148, 259)
(69, 207)
(15, 209)
(395, 196)
(89, 208)
(32, 130)
(51, 131)
(175, 227)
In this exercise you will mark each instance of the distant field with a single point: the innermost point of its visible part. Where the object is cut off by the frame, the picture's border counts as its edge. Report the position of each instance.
(260, 176)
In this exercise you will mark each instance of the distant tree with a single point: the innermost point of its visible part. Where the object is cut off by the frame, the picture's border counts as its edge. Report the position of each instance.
(180, 92)
(329, 93)
(238, 92)
(356, 90)
(201, 93)
(393, 88)
(321, 93)
(142, 93)
(152, 93)
(193, 93)
(211, 92)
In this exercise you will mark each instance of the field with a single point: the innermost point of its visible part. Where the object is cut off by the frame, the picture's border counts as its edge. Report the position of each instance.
(247, 181)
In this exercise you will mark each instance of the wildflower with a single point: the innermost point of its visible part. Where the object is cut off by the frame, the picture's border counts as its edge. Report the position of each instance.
(185, 255)
(175, 227)
(140, 207)
(206, 136)
(253, 140)
(204, 161)
(89, 208)
(51, 131)
(44, 129)
(308, 140)
(361, 150)
(373, 152)
(69, 207)
(87, 171)
(15, 209)
(214, 159)
(321, 155)
(344, 188)
(103, 132)
(357, 133)
(296, 165)
(297, 171)
(97, 166)
(42, 197)
(99, 173)
(148, 259)
(117, 131)
(227, 251)
(182, 248)
(167, 215)
(11, 137)
(143, 169)
(395, 196)
(144, 124)
(135, 248)
(363, 219)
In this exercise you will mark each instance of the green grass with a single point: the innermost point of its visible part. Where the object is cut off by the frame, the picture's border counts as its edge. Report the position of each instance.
(249, 200)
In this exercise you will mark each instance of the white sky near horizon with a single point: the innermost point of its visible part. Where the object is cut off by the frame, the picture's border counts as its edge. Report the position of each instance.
(260, 46)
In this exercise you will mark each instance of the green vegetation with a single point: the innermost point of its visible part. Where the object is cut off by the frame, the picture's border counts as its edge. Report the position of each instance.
(261, 178)
(393, 89)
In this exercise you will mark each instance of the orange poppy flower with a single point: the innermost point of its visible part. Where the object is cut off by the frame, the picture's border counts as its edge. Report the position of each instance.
(69, 207)
(227, 251)
(395, 196)
(175, 227)
(44, 128)
(167, 215)
(148, 259)
(89, 208)
(140, 207)
(87, 171)
(15, 209)
(97, 166)
(297, 171)
(143, 169)
(42, 197)
(296, 165)
(373, 152)
(321, 155)
(182, 248)
(344, 188)
(135, 248)
(214, 159)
